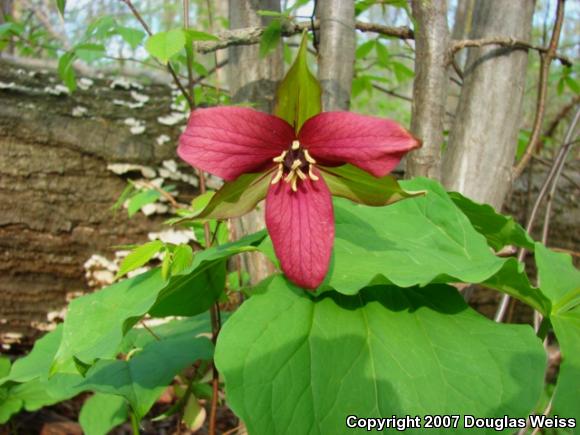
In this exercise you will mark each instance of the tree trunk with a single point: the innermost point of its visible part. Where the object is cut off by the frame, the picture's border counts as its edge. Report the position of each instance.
(55, 188)
(253, 79)
(337, 52)
(429, 87)
(482, 143)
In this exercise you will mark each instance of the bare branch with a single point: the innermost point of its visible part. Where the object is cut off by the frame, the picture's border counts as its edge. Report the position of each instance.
(507, 43)
(546, 60)
(550, 180)
(252, 35)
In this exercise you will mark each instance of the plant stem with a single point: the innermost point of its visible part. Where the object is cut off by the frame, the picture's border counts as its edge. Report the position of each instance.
(188, 50)
(546, 60)
(134, 424)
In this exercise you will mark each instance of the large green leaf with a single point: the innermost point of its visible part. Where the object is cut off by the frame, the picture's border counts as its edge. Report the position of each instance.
(499, 230)
(567, 394)
(512, 280)
(352, 183)
(164, 45)
(101, 413)
(412, 242)
(295, 364)
(143, 378)
(140, 256)
(560, 281)
(558, 278)
(236, 198)
(116, 308)
(27, 386)
(299, 95)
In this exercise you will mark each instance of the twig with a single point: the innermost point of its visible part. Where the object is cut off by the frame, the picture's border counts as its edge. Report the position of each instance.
(546, 60)
(163, 193)
(555, 169)
(392, 93)
(549, 164)
(215, 55)
(188, 52)
(564, 150)
(551, 129)
(149, 330)
(506, 43)
(137, 15)
(252, 35)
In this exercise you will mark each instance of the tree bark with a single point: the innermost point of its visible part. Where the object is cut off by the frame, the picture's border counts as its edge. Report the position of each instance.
(253, 79)
(482, 143)
(55, 188)
(429, 86)
(337, 52)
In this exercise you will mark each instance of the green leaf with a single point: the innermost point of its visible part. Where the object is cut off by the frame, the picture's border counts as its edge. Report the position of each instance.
(299, 95)
(499, 230)
(131, 36)
(196, 35)
(567, 328)
(4, 367)
(364, 49)
(411, 242)
(266, 13)
(144, 377)
(11, 28)
(101, 27)
(271, 37)
(236, 198)
(350, 182)
(118, 307)
(512, 280)
(139, 257)
(141, 199)
(66, 71)
(164, 45)
(558, 278)
(182, 259)
(383, 56)
(101, 413)
(89, 52)
(402, 72)
(191, 294)
(572, 84)
(294, 364)
(61, 5)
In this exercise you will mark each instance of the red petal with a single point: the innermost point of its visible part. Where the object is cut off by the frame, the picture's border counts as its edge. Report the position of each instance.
(301, 225)
(230, 141)
(375, 145)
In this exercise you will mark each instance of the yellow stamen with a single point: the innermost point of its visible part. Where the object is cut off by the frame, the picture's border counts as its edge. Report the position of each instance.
(308, 157)
(289, 177)
(295, 145)
(311, 174)
(296, 164)
(279, 174)
(300, 174)
(294, 185)
(280, 158)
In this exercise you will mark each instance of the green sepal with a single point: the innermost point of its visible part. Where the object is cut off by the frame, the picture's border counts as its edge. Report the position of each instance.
(352, 183)
(299, 96)
(236, 198)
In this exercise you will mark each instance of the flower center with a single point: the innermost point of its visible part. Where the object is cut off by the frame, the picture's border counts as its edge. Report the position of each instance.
(293, 165)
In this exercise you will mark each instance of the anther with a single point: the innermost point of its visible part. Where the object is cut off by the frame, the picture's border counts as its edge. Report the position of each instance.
(280, 158)
(311, 174)
(279, 174)
(308, 157)
(294, 184)
(296, 164)
(300, 174)
(295, 145)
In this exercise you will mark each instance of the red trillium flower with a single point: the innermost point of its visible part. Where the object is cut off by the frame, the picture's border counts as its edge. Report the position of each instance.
(231, 141)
